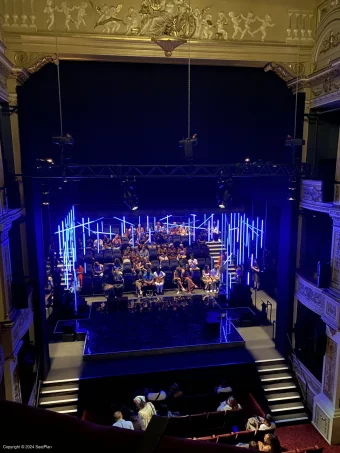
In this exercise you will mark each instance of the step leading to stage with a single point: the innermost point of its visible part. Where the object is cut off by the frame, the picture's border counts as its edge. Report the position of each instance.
(60, 396)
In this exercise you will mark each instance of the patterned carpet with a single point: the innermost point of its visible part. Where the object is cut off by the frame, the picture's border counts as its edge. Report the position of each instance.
(302, 436)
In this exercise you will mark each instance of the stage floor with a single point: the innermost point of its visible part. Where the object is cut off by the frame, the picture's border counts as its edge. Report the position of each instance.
(155, 326)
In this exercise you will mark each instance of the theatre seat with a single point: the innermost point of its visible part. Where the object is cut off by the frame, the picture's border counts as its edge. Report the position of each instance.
(215, 422)
(173, 264)
(178, 426)
(198, 425)
(201, 263)
(107, 256)
(165, 265)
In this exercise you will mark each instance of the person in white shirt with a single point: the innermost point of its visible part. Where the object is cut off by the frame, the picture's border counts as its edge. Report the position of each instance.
(159, 280)
(223, 388)
(146, 411)
(216, 277)
(156, 394)
(120, 422)
(230, 405)
(260, 423)
(193, 263)
(95, 244)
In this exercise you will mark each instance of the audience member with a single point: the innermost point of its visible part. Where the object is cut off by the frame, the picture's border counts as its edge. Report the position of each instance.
(270, 444)
(120, 422)
(159, 280)
(229, 405)
(98, 269)
(146, 410)
(223, 388)
(156, 394)
(260, 423)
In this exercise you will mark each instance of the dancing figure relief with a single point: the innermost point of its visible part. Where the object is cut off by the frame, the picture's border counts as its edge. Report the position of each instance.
(155, 18)
(78, 20)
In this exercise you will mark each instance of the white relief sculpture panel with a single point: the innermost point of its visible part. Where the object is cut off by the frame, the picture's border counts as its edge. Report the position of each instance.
(151, 18)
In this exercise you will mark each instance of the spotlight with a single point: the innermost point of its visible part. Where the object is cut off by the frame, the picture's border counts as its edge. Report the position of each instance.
(247, 160)
(292, 188)
(129, 195)
(44, 163)
(45, 198)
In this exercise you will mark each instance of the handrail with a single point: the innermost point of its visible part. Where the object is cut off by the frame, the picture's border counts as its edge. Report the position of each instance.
(292, 355)
(37, 385)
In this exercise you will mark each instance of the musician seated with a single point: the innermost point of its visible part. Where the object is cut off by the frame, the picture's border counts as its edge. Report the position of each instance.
(98, 269)
(216, 278)
(159, 280)
(193, 263)
(118, 283)
(139, 283)
(148, 280)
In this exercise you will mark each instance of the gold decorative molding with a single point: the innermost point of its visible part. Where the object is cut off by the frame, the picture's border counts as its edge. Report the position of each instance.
(331, 42)
(33, 61)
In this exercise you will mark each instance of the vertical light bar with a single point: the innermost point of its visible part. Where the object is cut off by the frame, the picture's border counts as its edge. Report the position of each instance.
(252, 259)
(193, 227)
(212, 226)
(261, 244)
(84, 245)
(167, 224)
(244, 237)
(63, 234)
(122, 228)
(88, 226)
(189, 231)
(248, 278)
(154, 223)
(252, 230)
(147, 223)
(97, 238)
(124, 224)
(102, 226)
(59, 239)
(257, 235)
(234, 234)
(110, 232)
(149, 234)
(241, 241)
(133, 235)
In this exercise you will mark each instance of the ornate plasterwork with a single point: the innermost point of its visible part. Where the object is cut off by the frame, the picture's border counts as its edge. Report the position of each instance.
(33, 61)
(330, 42)
(320, 301)
(330, 366)
(311, 190)
(305, 376)
(13, 331)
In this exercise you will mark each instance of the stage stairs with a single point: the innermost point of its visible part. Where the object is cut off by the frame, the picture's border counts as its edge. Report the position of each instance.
(282, 392)
(60, 396)
(215, 249)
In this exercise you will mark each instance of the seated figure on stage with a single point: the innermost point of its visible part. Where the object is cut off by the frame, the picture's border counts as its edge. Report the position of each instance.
(117, 265)
(216, 278)
(159, 280)
(116, 241)
(148, 280)
(143, 252)
(98, 269)
(215, 232)
(172, 252)
(97, 243)
(178, 279)
(126, 255)
(118, 283)
(193, 263)
(139, 283)
(187, 277)
(207, 279)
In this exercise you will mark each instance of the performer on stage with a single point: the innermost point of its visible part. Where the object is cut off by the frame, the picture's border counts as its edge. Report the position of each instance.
(148, 280)
(188, 280)
(207, 279)
(256, 275)
(159, 280)
(216, 277)
(178, 279)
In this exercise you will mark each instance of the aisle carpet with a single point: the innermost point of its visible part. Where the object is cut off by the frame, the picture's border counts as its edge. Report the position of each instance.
(302, 436)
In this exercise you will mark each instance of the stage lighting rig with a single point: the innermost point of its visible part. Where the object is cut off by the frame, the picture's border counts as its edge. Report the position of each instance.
(44, 163)
(129, 195)
(223, 193)
(188, 144)
(63, 141)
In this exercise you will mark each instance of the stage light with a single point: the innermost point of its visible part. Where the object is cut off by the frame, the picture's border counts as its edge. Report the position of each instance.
(247, 160)
(292, 188)
(129, 195)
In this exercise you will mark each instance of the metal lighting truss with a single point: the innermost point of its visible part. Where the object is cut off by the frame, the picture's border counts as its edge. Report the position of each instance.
(74, 171)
